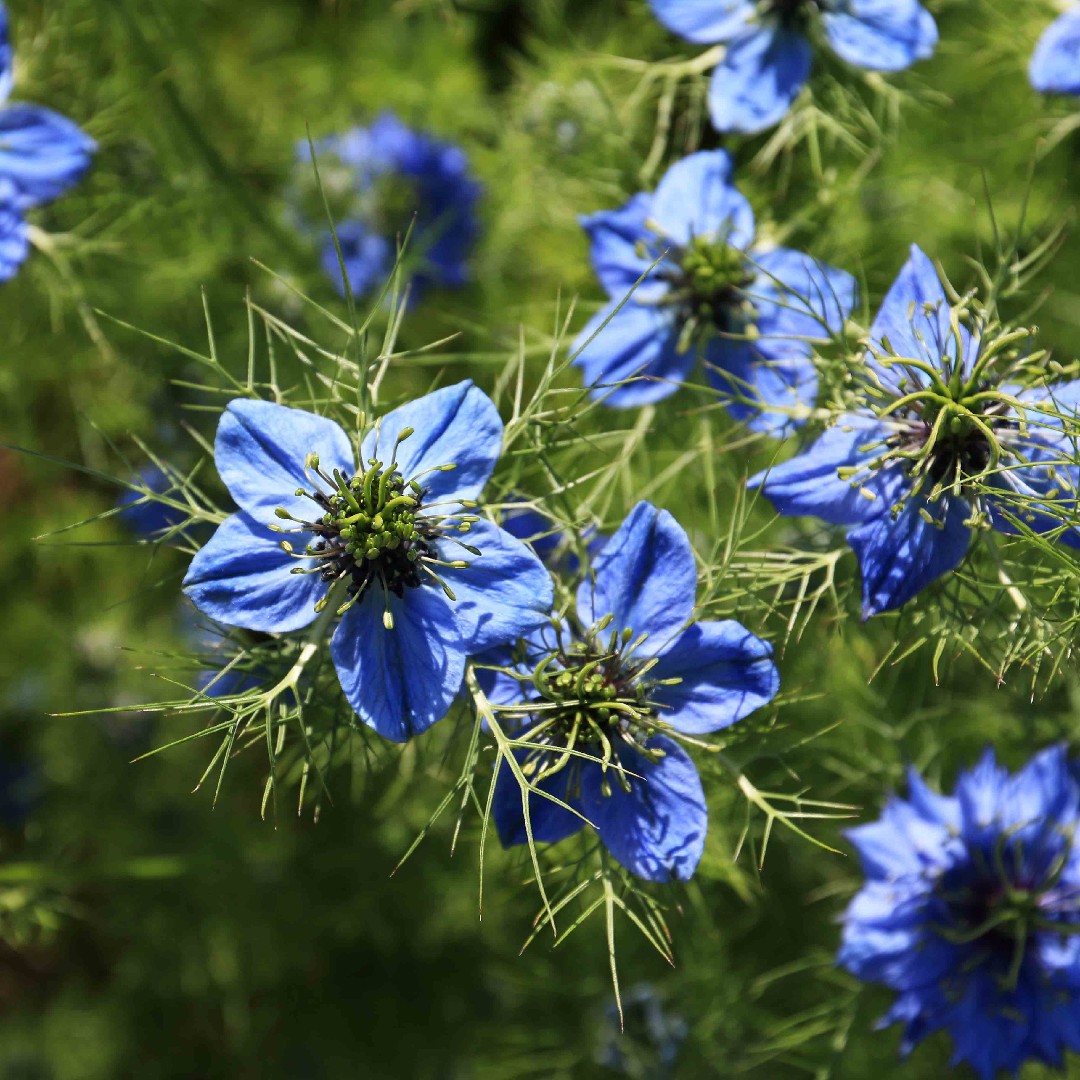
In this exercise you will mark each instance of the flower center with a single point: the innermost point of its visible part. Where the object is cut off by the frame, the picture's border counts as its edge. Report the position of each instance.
(795, 14)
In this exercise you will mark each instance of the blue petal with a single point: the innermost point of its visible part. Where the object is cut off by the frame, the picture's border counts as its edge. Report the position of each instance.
(645, 577)
(1055, 64)
(260, 452)
(657, 829)
(704, 21)
(620, 247)
(635, 359)
(6, 57)
(14, 236)
(898, 558)
(241, 577)
(457, 425)
(503, 594)
(696, 198)
(795, 296)
(399, 681)
(759, 79)
(882, 35)
(41, 152)
(144, 516)
(368, 256)
(810, 485)
(549, 822)
(914, 322)
(727, 673)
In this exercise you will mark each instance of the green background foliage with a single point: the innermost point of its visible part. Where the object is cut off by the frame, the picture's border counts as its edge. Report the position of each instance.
(148, 933)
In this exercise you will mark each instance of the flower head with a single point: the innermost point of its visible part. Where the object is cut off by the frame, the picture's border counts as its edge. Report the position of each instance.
(386, 541)
(383, 180)
(942, 442)
(1055, 64)
(769, 46)
(971, 912)
(614, 687)
(14, 239)
(748, 312)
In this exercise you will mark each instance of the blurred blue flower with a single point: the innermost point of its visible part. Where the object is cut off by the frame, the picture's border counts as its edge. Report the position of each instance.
(971, 913)
(550, 543)
(628, 675)
(769, 47)
(644, 1041)
(1055, 64)
(141, 513)
(14, 239)
(419, 583)
(377, 179)
(748, 312)
(900, 472)
(42, 154)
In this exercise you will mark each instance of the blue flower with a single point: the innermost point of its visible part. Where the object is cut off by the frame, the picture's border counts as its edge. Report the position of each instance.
(769, 50)
(971, 913)
(748, 312)
(902, 473)
(144, 515)
(378, 179)
(419, 583)
(620, 682)
(1055, 64)
(42, 154)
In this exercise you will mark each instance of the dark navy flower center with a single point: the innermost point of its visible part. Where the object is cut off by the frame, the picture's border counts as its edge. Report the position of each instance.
(795, 14)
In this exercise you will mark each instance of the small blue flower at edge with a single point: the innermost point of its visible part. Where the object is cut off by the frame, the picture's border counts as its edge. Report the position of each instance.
(432, 173)
(750, 313)
(856, 473)
(970, 912)
(706, 676)
(769, 53)
(1055, 64)
(391, 539)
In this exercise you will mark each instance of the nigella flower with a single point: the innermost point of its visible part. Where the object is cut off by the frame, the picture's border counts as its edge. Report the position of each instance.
(943, 442)
(748, 312)
(971, 913)
(381, 181)
(769, 46)
(1055, 64)
(387, 544)
(615, 686)
(42, 154)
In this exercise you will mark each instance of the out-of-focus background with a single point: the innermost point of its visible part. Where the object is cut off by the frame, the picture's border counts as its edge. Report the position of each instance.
(145, 932)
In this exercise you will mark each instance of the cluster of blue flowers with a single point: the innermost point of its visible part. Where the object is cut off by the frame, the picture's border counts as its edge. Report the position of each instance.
(42, 155)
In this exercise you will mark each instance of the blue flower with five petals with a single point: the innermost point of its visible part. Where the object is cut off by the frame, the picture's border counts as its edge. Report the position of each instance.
(749, 313)
(938, 417)
(384, 180)
(614, 689)
(419, 583)
(42, 154)
(769, 52)
(1055, 64)
(970, 912)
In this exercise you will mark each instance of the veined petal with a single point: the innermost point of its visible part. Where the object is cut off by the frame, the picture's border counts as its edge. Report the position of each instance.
(260, 452)
(657, 829)
(914, 322)
(759, 78)
(812, 485)
(41, 152)
(696, 198)
(1055, 64)
(241, 577)
(635, 359)
(646, 577)
(900, 557)
(503, 594)
(703, 21)
(549, 822)
(726, 672)
(620, 246)
(882, 35)
(457, 425)
(795, 296)
(399, 681)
